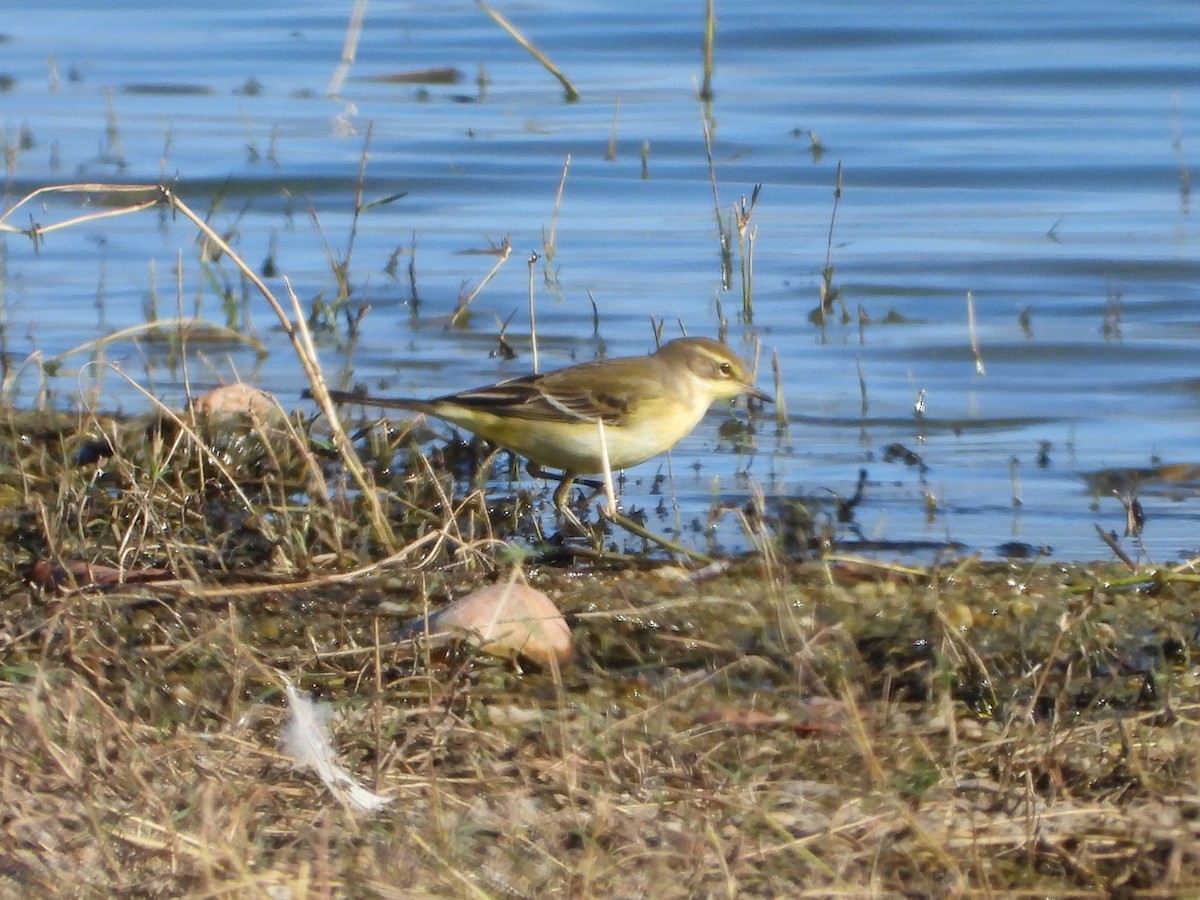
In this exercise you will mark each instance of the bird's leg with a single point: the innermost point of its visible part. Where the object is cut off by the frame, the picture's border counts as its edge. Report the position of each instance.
(563, 492)
(565, 482)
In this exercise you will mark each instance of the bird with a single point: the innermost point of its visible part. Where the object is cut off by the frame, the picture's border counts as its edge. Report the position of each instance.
(647, 404)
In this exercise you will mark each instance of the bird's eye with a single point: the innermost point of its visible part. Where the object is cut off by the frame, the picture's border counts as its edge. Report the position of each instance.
(726, 369)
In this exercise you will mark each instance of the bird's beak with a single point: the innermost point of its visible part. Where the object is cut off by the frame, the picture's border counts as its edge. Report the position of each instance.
(755, 392)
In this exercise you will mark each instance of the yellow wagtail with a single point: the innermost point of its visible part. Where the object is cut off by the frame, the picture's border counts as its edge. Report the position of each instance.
(647, 404)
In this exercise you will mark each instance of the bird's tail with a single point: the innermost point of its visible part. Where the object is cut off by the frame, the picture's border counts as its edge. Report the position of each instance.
(365, 399)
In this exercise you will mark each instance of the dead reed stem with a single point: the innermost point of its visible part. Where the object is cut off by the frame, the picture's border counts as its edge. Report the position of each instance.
(571, 95)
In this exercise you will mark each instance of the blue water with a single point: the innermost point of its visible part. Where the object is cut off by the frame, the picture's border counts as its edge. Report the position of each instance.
(1035, 156)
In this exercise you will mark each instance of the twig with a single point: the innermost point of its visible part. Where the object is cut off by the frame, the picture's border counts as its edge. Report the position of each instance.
(349, 47)
(971, 330)
(464, 303)
(610, 152)
(723, 235)
(37, 231)
(533, 258)
(666, 543)
(710, 31)
(550, 243)
(572, 95)
(606, 470)
(182, 326)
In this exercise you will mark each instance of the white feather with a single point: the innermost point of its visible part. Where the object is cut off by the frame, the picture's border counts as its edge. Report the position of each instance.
(306, 740)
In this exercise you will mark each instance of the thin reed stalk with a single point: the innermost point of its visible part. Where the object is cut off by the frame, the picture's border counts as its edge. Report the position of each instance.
(572, 95)
(710, 32)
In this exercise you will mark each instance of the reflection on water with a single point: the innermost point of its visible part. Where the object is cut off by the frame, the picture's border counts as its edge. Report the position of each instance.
(1039, 160)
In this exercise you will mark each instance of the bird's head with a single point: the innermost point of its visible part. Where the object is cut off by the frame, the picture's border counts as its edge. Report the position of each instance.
(714, 368)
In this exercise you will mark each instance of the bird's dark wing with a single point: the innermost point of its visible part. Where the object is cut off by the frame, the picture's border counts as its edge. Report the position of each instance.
(574, 393)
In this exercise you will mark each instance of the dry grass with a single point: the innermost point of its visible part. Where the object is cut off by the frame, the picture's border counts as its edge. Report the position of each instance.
(819, 730)
(761, 727)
